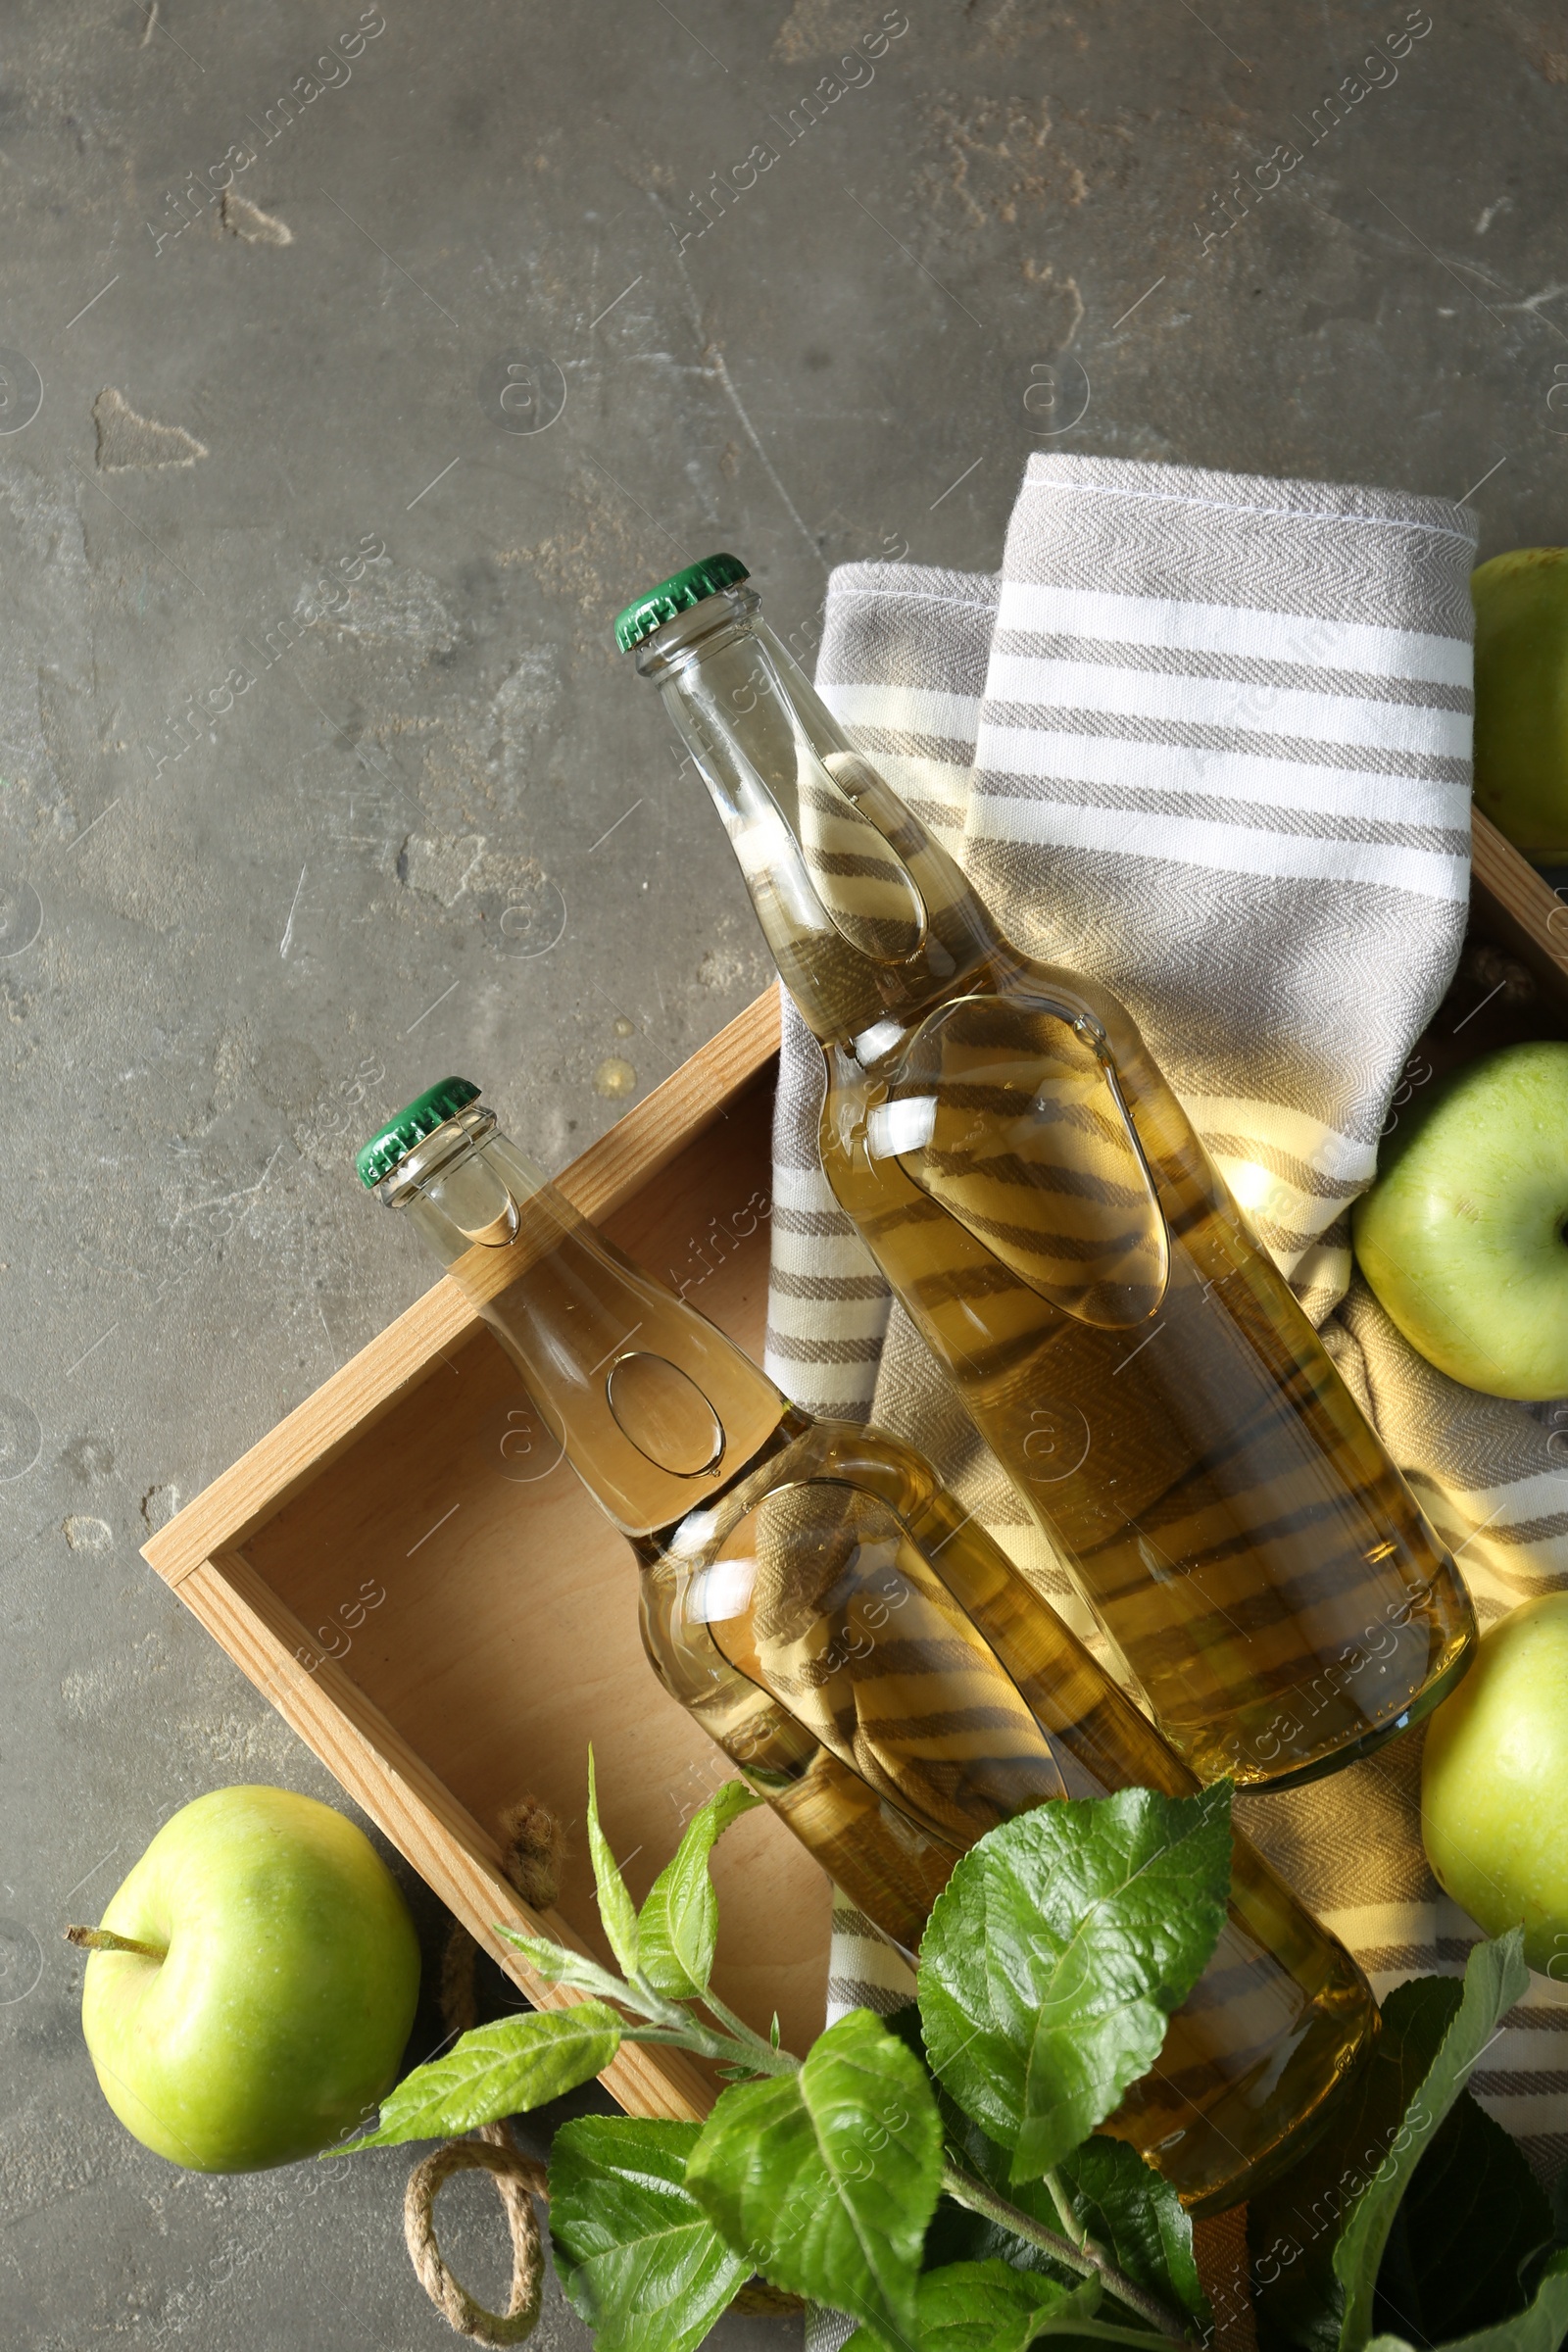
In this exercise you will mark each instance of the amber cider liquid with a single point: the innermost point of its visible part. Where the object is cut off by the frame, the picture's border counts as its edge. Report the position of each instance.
(1258, 1563)
(862, 1650)
(876, 1667)
(1034, 1192)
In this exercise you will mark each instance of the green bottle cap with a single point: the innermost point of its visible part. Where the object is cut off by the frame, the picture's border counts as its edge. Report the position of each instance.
(677, 594)
(414, 1123)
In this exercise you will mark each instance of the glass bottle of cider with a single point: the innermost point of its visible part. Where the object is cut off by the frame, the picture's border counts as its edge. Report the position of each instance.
(1036, 1197)
(861, 1650)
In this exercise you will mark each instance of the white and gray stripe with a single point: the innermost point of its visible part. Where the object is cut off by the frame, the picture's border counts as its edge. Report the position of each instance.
(1207, 739)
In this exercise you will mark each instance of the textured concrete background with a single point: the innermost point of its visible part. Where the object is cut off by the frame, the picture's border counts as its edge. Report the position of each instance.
(320, 776)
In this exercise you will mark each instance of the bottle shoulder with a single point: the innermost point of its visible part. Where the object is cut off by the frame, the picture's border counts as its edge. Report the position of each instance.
(803, 1451)
(1014, 995)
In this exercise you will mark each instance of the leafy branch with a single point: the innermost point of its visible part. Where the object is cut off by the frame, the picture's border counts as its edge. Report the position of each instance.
(941, 2176)
(823, 2174)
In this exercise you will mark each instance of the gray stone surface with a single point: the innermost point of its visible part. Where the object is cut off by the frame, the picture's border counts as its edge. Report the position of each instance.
(427, 818)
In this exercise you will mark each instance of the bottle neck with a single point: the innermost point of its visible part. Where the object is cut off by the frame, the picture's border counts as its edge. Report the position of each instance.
(656, 1409)
(868, 918)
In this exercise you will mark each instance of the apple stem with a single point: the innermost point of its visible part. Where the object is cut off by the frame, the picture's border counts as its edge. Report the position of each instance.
(104, 1940)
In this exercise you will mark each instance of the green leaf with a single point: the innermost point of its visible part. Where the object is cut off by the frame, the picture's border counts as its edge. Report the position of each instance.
(1473, 2220)
(615, 1906)
(1294, 2223)
(957, 2233)
(1495, 1977)
(1056, 1952)
(1540, 2328)
(1129, 2212)
(1470, 2219)
(825, 2179)
(559, 1966)
(1132, 2214)
(1139, 2221)
(638, 2257)
(990, 2307)
(503, 2068)
(678, 1924)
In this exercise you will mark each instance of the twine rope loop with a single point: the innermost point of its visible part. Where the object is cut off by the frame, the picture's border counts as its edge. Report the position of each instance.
(518, 2180)
(534, 1849)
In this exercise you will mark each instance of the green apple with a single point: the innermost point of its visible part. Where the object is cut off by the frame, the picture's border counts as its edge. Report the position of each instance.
(269, 1985)
(1494, 1783)
(1521, 739)
(1463, 1236)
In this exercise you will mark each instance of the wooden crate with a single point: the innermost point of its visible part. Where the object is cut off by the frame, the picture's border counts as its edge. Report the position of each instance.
(508, 1635)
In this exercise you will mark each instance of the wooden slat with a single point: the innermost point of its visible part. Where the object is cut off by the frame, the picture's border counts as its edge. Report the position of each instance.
(316, 1431)
(1520, 911)
(437, 1837)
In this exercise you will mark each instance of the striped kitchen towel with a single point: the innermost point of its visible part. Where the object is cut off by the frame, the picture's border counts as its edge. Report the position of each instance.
(1207, 738)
